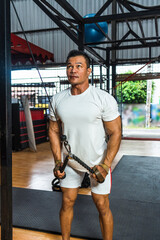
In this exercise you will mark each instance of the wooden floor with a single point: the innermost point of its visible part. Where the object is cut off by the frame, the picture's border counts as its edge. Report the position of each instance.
(33, 170)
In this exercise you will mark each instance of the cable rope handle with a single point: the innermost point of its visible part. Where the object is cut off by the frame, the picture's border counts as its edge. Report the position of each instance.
(100, 178)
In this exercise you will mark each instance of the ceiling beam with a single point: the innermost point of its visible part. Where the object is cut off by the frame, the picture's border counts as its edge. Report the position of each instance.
(156, 28)
(147, 45)
(94, 53)
(61, 17)
(103, 8)
(125, 40)
(125, 16)
(138, 76)
(131, 9)
(65, 28)
(59, 23)
(126, 5)
(68, 7)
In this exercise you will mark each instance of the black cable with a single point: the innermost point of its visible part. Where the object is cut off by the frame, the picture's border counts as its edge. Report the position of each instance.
(35, 63)
(143, 7)
(82, 163)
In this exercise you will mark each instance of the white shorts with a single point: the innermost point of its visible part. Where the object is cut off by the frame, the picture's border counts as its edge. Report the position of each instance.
(74, 179)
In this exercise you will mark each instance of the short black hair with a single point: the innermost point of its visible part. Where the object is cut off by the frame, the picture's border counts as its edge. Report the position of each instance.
(75, 53)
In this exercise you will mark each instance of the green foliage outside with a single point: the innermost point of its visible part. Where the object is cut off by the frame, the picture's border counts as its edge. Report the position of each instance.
(133, 91)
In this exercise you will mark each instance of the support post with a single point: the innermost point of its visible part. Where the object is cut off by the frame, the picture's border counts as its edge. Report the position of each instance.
(92, 79)
(81, 37)
(108, 69)
(148, 103)
(100, 76)
(114, 79)
(114, 11)
(5, 122)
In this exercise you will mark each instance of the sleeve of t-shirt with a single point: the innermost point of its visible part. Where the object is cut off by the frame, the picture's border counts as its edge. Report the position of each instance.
(52, 110)
(110, 108)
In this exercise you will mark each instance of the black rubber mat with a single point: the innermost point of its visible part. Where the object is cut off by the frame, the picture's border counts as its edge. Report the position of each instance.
(134, 200)
(137, 178)
(34, 209)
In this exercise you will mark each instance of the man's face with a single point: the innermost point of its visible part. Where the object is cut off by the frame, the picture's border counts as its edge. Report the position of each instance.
(77, 71)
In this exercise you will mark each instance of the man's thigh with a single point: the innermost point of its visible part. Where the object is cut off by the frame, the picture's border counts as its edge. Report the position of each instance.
(73, 178)
(102, 188)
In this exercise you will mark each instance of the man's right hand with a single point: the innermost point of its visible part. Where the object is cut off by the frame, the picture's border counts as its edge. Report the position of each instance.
(57, 170)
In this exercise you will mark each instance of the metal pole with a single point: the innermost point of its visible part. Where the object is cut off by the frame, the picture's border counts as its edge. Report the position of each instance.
(5, 122)
(114, 11)
(108, 70)
(81, 37)
(100, 76)
(92, 79)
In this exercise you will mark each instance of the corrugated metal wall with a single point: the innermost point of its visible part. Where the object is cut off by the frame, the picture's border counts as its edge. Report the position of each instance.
(33, 18)
(149, 31)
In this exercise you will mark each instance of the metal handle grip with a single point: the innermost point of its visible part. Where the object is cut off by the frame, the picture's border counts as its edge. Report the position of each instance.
(64, 164)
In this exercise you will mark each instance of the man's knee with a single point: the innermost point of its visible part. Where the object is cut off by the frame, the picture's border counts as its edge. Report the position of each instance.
(68, 202)
(102, 204)
(69, 198)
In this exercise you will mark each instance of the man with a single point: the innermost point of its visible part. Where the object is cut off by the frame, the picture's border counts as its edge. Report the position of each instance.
(85, 114)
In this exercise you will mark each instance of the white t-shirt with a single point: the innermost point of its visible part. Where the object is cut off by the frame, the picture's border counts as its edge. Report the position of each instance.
(82, 119)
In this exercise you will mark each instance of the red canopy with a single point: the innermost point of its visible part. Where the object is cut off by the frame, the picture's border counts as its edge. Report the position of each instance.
(20, 52)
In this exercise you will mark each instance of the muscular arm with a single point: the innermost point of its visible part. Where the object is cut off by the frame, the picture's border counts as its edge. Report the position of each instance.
(54, 137)
(113, 129)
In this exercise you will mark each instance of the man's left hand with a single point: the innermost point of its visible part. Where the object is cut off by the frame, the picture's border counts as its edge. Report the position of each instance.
(101, 171)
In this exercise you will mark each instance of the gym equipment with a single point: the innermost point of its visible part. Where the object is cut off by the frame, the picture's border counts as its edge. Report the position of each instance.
(56, 181)
(93, 33)
(94, 170)
(98, 174)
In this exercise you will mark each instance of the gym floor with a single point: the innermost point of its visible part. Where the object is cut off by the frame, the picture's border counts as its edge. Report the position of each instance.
(33, 170)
